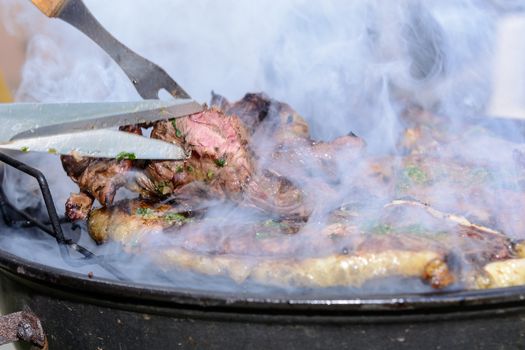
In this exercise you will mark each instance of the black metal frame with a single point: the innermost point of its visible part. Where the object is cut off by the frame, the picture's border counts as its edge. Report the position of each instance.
(56, 231)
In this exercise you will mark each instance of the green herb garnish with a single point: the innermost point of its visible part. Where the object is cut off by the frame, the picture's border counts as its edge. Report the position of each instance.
(24, 149)
(416, 174)
(375, 227)
(221, 162)
(126, 155)
(146, 213)
(175, 218)
(163, 187)
(210, 175)
(179, 169)
(189, 168)
(334, 236)
(178, 133)
(52, 151)
(382, 229)
(272, 223)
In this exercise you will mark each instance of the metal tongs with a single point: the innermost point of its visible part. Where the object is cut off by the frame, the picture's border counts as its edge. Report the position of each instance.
(82, 128)
(85, 129)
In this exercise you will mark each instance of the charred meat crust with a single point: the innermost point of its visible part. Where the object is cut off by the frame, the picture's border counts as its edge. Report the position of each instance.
(78, 206)
(252, 109)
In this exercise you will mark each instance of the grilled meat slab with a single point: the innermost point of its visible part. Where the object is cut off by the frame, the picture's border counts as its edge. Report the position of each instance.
(318, 272)
(370, 244)
(306, 222)
(217, 145)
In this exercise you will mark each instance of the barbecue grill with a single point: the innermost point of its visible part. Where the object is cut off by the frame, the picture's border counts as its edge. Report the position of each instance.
(79, 311)
(50, 307)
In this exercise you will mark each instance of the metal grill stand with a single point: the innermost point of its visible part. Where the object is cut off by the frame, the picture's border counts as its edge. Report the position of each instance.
(13, 216)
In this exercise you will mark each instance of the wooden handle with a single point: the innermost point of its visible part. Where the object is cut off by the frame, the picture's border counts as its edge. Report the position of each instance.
(50, 8)
(5, 96)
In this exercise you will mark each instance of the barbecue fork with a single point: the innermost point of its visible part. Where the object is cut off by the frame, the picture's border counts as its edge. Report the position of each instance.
(85, 128)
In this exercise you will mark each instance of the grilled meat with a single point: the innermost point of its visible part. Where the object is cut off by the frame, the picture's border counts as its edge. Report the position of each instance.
(219, 152)
(75, 165)
(252, 109)
(129, 220)
(268, 251)
(329, 271)
(103, 178)
(261, 114)
(219, 156)
(423, 215)
(499, 274)
(504, 273)
(78, 206)
(366, 241)
(461, 186)
(96, 178)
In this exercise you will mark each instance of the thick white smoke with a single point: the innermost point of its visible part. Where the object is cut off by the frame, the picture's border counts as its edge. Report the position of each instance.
(343, 65)
(337, 62)
(327, 59)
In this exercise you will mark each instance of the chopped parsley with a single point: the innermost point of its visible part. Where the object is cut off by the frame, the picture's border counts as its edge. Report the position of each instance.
(272, 223)
(210, 175)
(175, 218)
(189, 168)
(24, 149)
(126, 155)
(163, 188)
(334, 236)
(382, 229)
(146, 213)
(221, 162)
(378, 228)
(178, 133)
(179, 169)
(416, 174)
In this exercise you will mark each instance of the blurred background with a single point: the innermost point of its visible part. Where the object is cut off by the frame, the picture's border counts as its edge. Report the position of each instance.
(12, 48)
(12, 56)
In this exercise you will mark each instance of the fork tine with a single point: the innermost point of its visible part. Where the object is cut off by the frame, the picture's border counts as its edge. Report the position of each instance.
(174, 89)
(147, 77)
(149, 81)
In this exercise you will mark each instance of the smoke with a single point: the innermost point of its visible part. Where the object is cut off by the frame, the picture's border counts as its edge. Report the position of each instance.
(325, 59)
(343, 65)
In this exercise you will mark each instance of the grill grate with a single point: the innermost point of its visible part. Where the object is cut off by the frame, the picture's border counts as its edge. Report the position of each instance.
(11, 216)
